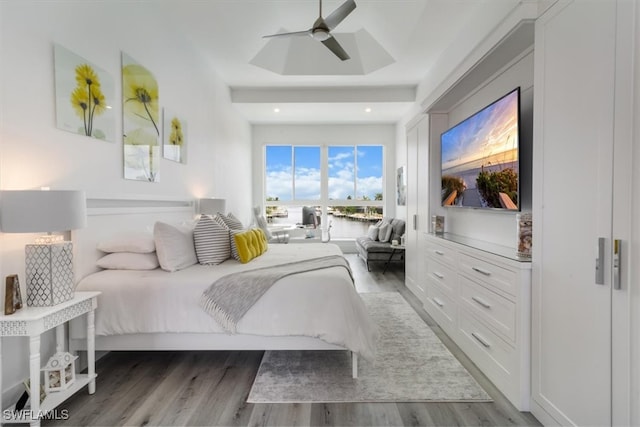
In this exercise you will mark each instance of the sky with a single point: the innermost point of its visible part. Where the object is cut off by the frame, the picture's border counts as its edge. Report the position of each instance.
(342, 179)
(490, 131)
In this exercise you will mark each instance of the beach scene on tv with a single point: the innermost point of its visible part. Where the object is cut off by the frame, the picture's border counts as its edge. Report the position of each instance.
(480, 158)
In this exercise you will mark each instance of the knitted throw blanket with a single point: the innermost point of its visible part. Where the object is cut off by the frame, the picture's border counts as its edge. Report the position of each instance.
(231, 296)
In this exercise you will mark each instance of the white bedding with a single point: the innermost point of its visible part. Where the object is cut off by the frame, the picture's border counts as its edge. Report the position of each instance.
(321, 304)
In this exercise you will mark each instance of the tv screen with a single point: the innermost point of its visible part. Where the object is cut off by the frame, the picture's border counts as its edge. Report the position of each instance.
(480, 157)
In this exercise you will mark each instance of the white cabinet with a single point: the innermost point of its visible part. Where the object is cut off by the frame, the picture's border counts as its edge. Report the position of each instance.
(417, 205)
(582, 90)
(479, 294)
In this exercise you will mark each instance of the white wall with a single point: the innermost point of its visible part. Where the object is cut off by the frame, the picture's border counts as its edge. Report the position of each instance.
(34, 153)
(327, 135)
(493, 226)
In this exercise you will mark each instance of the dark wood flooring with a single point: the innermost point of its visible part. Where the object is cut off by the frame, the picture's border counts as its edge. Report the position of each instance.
(209, 388)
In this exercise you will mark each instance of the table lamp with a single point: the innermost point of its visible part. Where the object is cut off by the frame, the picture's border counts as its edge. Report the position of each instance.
(211, 206)
(49, 261)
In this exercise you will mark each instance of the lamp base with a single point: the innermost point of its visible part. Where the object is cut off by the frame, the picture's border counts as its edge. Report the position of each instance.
(49, 269)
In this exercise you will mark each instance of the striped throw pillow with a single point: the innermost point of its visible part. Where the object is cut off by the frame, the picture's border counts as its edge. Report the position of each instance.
(211, 241)
(231, 221)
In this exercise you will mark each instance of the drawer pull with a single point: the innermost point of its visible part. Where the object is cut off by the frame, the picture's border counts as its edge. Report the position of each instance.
(481, 271)
(480, 339)
(438, 275)
(438, 252)
(481, 302)
(438, 302)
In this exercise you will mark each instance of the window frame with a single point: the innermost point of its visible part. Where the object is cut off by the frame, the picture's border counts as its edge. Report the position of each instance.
(324, 200)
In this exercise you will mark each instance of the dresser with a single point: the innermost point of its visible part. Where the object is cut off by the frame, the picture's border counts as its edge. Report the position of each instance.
(480, 295)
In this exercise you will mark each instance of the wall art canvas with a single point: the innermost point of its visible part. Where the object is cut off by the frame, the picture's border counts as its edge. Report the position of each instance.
(174, 137)
(140, 122)
(85, 94)
(401, 185)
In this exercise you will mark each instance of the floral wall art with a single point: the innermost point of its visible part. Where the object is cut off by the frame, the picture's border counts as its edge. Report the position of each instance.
(140, 114)
(84, 96)
(175, 137)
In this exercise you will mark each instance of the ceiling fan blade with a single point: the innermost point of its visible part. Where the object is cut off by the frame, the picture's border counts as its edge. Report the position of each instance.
(335, 47)
(338, 15)
(293, 34)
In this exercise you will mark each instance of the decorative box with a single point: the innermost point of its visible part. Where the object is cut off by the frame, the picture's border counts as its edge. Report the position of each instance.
(524, 223)
(49, 269)
(60, 372)
(437, 224)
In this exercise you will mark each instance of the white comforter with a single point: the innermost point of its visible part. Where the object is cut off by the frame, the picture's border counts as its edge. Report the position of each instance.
(321, 304)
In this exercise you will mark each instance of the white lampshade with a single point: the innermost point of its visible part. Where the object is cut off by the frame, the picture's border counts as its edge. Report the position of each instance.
(33, 211)
(211, 206)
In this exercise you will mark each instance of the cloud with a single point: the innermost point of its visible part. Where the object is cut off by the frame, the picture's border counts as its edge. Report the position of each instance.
(308, 181)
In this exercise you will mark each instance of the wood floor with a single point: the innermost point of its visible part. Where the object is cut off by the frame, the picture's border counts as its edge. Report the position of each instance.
(198, 388)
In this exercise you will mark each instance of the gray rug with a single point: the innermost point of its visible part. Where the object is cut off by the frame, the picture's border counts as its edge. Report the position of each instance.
(411, 365)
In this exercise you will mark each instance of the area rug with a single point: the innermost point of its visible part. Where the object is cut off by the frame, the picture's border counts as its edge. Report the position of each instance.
(411, 365)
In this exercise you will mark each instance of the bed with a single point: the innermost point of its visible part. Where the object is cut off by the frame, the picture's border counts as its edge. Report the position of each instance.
(158, 310)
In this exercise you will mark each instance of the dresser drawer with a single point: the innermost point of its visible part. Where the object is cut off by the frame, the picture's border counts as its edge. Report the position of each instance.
(441, 306)
(442, 253)
(494, 356)
(443, 275)
(495, 310)
(490, 274)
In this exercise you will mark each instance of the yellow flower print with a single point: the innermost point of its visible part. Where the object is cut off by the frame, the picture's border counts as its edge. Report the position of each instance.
(80, 102)
(85, 76)
(87, 98)
(176, 137)
(142, 157)
(140, 93)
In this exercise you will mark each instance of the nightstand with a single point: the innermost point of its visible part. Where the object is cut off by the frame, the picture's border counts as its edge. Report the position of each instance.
(32, 322)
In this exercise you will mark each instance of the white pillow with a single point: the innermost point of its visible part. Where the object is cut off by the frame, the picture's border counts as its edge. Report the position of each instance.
(211, 241)
(132, 241)
(174, 246)
(129, 261)
(372, 232)
(384, 232)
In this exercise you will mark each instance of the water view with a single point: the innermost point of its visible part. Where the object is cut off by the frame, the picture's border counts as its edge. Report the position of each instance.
(343, 225)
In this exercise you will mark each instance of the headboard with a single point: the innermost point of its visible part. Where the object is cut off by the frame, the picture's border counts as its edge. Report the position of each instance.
(106, 216)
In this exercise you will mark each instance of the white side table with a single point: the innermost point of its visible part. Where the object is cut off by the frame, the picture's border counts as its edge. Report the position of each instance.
(32, 322)
(395, 249)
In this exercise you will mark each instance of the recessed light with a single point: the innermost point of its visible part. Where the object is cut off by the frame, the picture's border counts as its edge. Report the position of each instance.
(367, 110)
(276, 110)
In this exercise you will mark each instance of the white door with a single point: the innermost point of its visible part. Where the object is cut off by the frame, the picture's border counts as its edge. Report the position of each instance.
(417, 204)
(573, 184)
(411, 237)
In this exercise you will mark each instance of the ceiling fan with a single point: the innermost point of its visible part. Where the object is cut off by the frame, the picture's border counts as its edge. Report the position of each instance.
(321, 30)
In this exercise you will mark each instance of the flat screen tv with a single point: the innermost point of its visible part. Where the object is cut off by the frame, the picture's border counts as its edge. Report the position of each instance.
(479, 163)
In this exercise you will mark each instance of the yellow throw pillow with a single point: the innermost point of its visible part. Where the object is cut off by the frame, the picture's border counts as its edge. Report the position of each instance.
(261, 242)
(250, 244)
(242, 245)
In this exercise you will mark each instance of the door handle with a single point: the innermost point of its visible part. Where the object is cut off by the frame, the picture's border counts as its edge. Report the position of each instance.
(415, 221)
(617, 255)
(600, 262)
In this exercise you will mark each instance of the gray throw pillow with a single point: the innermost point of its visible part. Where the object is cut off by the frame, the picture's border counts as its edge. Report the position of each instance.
(211, 241)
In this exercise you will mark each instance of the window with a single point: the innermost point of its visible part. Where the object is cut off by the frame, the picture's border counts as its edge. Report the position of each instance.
(342, 183)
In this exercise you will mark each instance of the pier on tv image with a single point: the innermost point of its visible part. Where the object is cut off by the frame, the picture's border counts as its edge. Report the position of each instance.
(480, 157)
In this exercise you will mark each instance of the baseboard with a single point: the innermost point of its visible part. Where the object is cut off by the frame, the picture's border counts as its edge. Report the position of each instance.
(541, 414)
